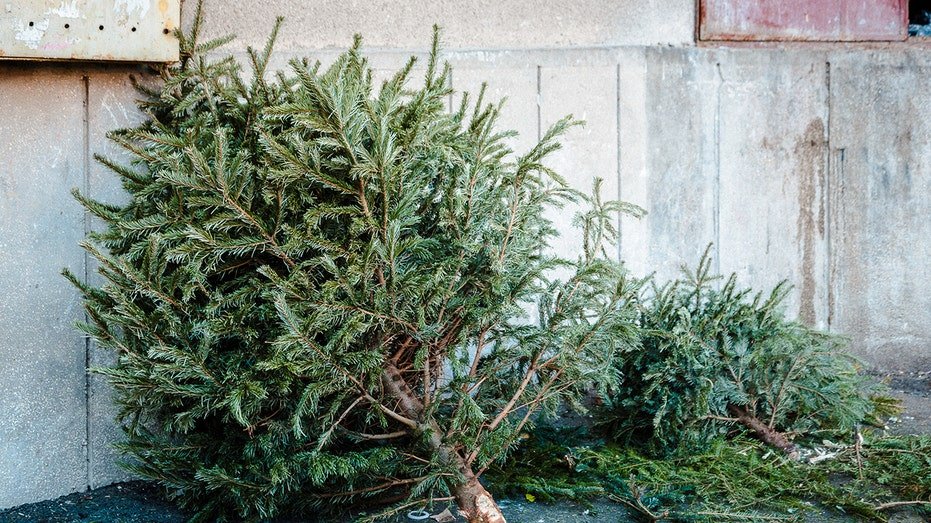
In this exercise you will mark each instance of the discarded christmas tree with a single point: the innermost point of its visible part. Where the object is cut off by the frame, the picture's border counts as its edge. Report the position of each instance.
(713, 356)
(317, 289)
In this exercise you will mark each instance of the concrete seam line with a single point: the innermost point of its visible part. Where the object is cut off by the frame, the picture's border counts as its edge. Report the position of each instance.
(85, 80)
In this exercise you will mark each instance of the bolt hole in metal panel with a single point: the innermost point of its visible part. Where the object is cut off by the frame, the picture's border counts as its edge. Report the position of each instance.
(100, 30)
(803, 20)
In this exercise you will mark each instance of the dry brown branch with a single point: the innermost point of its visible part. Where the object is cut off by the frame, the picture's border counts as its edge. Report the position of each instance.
(897, 504)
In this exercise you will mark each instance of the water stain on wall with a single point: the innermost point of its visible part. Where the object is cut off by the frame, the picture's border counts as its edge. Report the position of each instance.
(810, 167)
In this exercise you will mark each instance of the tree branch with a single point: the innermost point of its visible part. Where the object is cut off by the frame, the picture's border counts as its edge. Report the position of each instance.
(326, 434)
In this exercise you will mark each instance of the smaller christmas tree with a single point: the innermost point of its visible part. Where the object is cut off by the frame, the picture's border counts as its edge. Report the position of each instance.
(317, 290)
(711, 358)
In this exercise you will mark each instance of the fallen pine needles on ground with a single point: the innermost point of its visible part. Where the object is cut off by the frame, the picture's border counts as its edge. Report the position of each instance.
(732, 480)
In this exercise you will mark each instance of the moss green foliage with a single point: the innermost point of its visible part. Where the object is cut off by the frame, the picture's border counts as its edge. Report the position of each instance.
(317, 289)
(730, 480)
(710, 351)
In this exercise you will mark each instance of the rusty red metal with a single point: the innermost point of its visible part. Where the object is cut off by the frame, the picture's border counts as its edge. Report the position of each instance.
(803, 20)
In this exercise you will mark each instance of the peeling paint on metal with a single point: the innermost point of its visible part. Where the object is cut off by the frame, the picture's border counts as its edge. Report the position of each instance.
(66, 10)
(30, 34)
(124, 30)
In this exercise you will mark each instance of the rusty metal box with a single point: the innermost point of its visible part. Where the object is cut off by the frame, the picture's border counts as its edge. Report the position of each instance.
(117, 30)
(803, 20)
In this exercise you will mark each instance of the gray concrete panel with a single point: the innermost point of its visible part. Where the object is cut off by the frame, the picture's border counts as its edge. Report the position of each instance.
(880, 186)
(588, 93)
(111, 102)
(517, 85)
(668, 158)
(42, 379)
(772, 139)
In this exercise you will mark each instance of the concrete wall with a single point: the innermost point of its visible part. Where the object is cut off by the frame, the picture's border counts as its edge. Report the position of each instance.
(810, 163)
(467, 24)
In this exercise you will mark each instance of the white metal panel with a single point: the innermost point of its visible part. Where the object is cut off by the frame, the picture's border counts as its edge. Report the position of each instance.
(121, 30)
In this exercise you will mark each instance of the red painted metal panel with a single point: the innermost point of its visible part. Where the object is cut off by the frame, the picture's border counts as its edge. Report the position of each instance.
(804, 20)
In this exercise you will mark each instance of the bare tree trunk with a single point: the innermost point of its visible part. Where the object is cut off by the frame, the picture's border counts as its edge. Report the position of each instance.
(765, 433)
(471, 496)
(477, 503)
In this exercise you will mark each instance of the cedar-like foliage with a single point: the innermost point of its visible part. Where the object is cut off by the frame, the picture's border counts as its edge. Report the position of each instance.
(317, 291)
(713, 356)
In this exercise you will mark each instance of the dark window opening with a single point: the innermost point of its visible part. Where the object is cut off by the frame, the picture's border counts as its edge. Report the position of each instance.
(919, 17)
